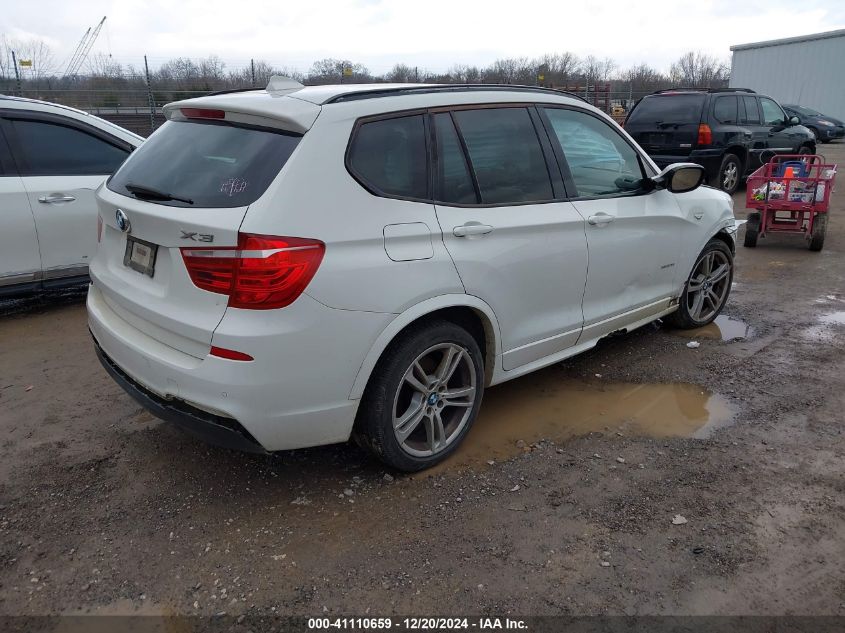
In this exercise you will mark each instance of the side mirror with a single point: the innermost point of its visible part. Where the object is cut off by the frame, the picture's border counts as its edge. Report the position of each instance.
(680, 177)
(794, 120)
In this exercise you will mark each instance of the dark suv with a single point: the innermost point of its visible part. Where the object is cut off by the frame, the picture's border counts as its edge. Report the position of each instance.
(728, 131)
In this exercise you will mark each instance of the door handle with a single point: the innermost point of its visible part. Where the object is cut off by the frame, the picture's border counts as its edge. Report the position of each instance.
(472, 228)
(600, 219)
(54, 198)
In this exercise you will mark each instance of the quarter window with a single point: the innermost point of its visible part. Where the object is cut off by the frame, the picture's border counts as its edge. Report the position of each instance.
(505, 155)
(601, 162)
(725, 110)
(49, 149)
(772, 114)
(389, 155)
(454, 182)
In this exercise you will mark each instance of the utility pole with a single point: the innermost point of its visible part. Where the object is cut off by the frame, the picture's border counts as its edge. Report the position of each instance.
(150, 96)
(17, 73)
(252, 66)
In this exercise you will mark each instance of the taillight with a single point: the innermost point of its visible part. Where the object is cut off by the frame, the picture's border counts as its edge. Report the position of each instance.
(202, 113)
(99, 228)
(705, 134)
(262, 273)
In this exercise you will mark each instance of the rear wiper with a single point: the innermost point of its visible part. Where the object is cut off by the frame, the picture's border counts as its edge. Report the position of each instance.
(148, 193)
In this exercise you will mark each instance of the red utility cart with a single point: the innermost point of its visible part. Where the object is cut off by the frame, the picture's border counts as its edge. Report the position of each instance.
(791, 194)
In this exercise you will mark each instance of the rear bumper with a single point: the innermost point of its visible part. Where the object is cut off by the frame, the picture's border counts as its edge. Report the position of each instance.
(208, 427)
(294, 394)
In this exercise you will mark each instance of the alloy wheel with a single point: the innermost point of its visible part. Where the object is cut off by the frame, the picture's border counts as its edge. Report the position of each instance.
(730, 177)
(434, 400)
(708, 286)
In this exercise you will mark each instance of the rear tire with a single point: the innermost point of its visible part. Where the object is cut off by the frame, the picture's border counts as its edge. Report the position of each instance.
(819, 230)
(730, 173)
(423, 397)
(707, 289)
(752, 230)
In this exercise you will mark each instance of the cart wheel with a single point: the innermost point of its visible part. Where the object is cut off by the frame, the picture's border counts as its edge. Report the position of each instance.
(819, 229)
(752, 230)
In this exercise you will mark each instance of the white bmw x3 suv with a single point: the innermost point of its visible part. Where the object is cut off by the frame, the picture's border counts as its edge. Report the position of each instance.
(290, 267)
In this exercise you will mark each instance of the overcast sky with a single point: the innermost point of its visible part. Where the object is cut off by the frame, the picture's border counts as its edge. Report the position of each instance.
(432, 34)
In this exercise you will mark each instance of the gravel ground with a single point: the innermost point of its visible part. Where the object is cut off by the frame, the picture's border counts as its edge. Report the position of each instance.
(104, 509)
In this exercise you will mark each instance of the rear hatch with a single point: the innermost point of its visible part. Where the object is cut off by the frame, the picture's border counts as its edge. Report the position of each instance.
(184, 194)
(667, 124)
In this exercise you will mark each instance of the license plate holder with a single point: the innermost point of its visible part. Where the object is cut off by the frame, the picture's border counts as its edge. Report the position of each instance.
(140, 256)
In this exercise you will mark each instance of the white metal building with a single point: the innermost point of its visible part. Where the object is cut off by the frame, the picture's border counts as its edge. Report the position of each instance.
(808, 70)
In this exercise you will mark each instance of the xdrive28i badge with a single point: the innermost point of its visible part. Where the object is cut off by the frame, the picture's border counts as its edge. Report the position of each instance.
(122, 221)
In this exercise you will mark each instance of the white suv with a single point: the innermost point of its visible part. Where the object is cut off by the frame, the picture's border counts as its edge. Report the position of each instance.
(52, 159)
(288, 267)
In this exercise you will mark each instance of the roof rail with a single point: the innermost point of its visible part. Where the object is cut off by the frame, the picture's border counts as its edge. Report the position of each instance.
(435, 88)
(731, 90)
(680, 89)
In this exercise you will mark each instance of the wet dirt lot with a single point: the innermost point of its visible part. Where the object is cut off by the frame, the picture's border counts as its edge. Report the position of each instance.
(564, 499)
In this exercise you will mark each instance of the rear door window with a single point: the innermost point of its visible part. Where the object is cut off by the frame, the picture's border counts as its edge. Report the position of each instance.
(671, 108)
(51, 149)
(505, 155)
(724, 109)
(389, 157)
(752, 115)
(206, 164)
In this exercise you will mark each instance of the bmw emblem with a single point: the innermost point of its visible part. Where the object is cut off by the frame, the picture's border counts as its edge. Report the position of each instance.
(122, 221)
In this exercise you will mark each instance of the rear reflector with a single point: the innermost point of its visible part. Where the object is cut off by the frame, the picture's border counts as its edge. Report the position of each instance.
(263, 272)
(229, 354)
(202, 113)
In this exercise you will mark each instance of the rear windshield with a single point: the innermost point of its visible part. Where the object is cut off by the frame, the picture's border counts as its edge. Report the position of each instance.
(204, 164)
(676, 108)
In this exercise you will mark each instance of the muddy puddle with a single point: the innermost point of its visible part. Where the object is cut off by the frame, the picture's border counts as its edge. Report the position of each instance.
(723, 328)
(548, 405)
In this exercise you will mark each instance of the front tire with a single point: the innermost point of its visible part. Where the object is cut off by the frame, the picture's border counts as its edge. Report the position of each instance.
(707, 289)
(730, 173)
(423, 397)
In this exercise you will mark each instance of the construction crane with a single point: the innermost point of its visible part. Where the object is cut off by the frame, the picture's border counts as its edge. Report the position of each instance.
(82, 49)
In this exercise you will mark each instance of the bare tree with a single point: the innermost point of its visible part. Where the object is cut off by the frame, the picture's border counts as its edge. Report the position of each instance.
(33, 50)
(699, 70)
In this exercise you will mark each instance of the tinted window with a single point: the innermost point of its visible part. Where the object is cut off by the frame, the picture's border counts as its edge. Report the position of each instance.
(48, 149)
(505, 154)
(390, 156)
(772, 114)
(599, 159)
(724, 109)
(672, 108)
(453, 177)
(751, 114)
(214, 165)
